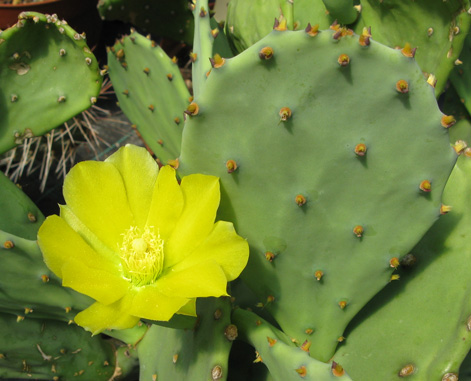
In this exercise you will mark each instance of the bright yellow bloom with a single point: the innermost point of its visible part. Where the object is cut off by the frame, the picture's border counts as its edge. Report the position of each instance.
(139, 243)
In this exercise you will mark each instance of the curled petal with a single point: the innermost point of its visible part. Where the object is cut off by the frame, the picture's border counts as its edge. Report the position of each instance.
(188, 309)
(99, 317)
(95, 193)
(223, 246)
(139, 172)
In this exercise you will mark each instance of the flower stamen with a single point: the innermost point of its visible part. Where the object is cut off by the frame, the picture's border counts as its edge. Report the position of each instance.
(142, 255)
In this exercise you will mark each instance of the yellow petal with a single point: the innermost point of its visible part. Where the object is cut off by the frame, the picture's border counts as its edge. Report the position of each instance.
(101, 285)
(225, 247)
(149, 303)
(167, 203)
(188, 309)
(201, 197)
(201, 280)
(88, 236)
(139, 172)
(99, 317)
(60, 244)
(95, 193)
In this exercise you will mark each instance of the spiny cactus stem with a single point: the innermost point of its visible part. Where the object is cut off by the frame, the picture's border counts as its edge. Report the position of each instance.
(202, 46)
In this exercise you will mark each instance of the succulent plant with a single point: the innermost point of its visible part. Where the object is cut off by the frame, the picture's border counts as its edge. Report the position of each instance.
(324, 178)
(40, 52)
(334, 161)
(436, 28)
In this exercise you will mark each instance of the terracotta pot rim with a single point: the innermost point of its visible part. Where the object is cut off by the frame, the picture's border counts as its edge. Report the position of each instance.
(29, 5)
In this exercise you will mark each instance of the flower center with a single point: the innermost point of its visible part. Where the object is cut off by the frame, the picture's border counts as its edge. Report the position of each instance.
(142, 255)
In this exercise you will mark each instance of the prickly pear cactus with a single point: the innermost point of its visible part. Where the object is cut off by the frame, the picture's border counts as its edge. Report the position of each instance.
(461, 75)
(249, 21)
(19, 215)
(53, 350)
(165, 18)
(39, 93)
(424, 319)
(284, 359)
(151, 92)
(343, 11)
(202, 352)
(22, 264)
(332, 156)
(436, 28)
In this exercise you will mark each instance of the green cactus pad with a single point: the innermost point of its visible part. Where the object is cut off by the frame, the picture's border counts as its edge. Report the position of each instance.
(424, 318)
(248, 21)
(23, 271)
(461, 75)
(163, 18)
(221, 44)
(342, 11)
(309, 205)
(202, 352)
(202, 45)
(151, 92)
(19, 214)
(436, 28)
(284, 359)
(27, 287)
(53, 350)
(48, 75)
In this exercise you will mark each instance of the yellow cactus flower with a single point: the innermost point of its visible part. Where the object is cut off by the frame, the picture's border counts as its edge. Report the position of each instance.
(138, 242)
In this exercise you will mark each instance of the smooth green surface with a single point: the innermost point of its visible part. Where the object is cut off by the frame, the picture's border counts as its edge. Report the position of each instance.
(138, 92)
(202, 46)
(41, 88)
(422, 318)
(341, 10)
(333, 109)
